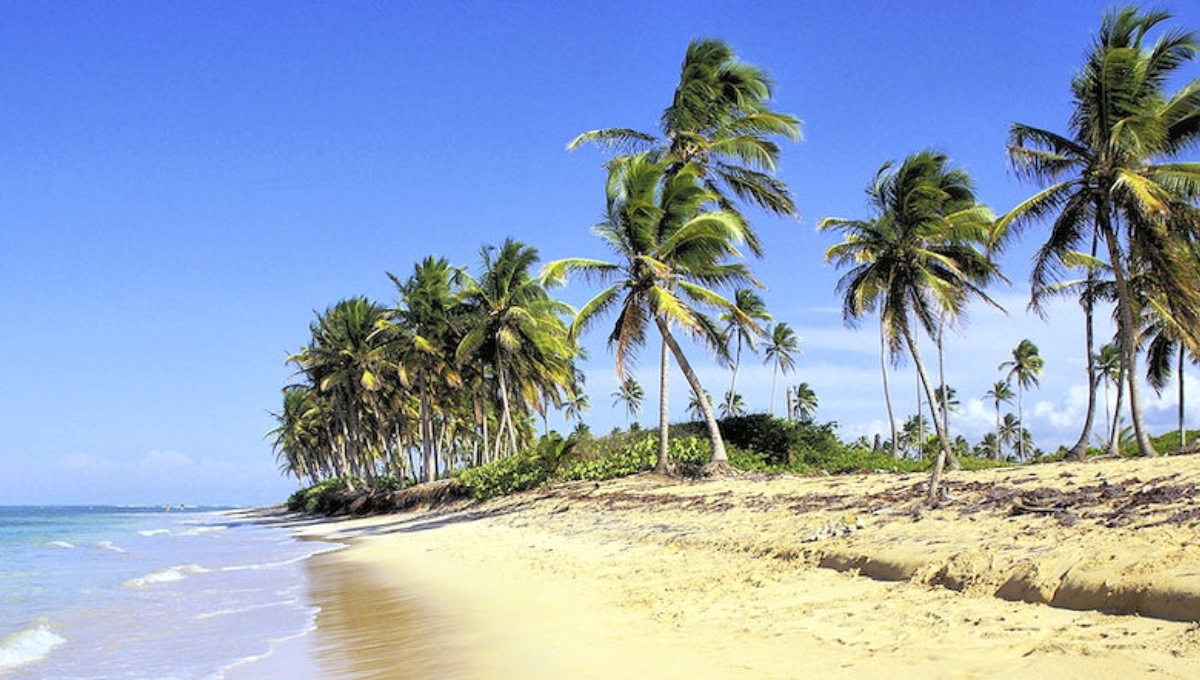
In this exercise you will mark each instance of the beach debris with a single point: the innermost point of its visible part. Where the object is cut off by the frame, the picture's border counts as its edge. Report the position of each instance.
(836, 528)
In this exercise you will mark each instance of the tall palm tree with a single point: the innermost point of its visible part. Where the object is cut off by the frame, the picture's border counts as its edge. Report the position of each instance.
(672, 248)
(917, 261)
(742, 327)
(804, 403)
(1026, 365)
(1000, 393)
(517, 331)
(782, 344)
(630, 394)
(425, 331)
(1110, 366)
(1116, 175)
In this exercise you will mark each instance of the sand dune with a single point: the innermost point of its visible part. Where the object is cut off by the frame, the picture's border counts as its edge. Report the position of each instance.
(1066, 570)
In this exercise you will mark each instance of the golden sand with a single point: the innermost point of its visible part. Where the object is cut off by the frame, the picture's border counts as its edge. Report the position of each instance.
(782, 577)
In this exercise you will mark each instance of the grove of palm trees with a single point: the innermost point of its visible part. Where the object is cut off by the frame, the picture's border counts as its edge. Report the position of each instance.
(460, 374)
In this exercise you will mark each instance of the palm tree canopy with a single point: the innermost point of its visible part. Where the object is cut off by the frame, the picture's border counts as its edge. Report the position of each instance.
(1118, 168)
(919, 254)
(1026, 364)
(673, 249)
(781, 347)
(720, 118)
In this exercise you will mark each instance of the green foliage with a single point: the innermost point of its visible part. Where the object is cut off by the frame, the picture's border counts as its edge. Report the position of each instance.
(315, 499)
(529, 469)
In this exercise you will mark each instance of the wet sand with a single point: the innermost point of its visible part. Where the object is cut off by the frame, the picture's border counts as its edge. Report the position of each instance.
(758, 577)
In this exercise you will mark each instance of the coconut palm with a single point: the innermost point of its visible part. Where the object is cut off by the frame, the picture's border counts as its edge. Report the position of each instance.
(672, 249)
(1116, 175)
(1010, 431)
(742, 327)
(1026, 365)
(629, 393)
(733, 405)
(1110, 366)
(1000, 393)
(947, 402)
(917, 261)
(804, 403)
(781, 345)
(694, 409)
(720, 120)
(425, 331)
(517, 332)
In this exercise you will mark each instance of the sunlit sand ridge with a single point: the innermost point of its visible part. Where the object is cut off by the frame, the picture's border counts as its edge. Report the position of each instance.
(723, 579)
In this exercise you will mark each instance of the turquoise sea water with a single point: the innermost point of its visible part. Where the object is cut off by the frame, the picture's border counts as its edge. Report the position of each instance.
(122, 593)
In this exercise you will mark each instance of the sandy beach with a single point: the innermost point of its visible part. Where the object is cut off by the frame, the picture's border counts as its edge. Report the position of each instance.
(1087, 570)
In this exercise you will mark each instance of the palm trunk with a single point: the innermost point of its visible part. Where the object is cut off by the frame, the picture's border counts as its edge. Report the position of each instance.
(1182, 431)
(1020, 421)
(737, 361)
(943, 440)
(426, 425)
(507, 417)
(719, 461)
(774, 375)
(1125, 332)
(663, 466)
(1114, 448)
(997, 453)
(1079, 451)
(887, 394)
(954, 464)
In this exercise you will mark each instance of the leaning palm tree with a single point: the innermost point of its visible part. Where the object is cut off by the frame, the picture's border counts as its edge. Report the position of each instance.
(781, 345)
(917, 261)
(672, 249)
(629, 393)
(1000, 393)
(1116, 176)
(742, 327)
(1026, 365)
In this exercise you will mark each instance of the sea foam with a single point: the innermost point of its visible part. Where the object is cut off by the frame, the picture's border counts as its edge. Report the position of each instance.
(165, 575)
(27, 646)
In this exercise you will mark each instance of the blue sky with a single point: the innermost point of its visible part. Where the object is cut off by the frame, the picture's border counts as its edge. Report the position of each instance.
(183, 184)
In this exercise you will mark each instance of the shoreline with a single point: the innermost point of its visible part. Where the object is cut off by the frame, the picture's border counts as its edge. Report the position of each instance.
(724, 579)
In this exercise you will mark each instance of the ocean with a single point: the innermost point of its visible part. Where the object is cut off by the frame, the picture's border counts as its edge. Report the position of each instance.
(104, 593)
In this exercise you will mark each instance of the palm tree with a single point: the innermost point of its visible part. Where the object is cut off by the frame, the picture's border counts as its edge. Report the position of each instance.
(1109, 364)
(672, 249)
(804, 403)
(1114, 176)
(947, 402)
(1000, 393)
(917, 260)
(1010, 431)
(694, 409)
(733, 405)
(425, 330)
(783, 343)
(517, 332)
(1026, 365)
(720, 120)
(741, 326)
(630, 393)
(1166, 355)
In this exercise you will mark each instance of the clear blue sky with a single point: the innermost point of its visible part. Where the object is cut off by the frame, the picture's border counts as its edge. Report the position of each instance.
(183, 184)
